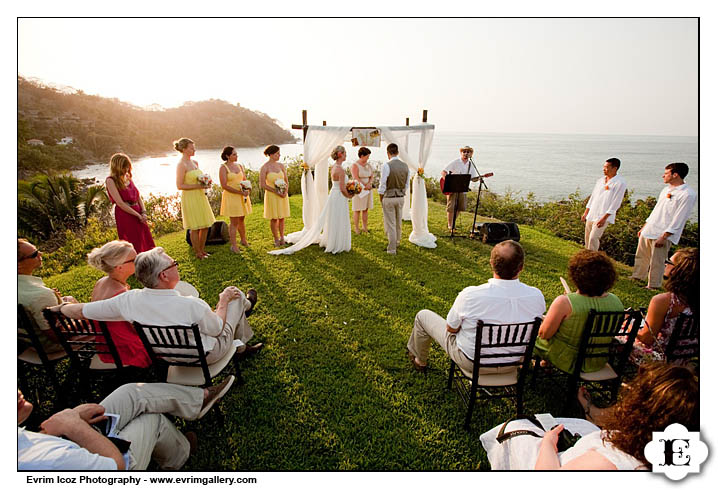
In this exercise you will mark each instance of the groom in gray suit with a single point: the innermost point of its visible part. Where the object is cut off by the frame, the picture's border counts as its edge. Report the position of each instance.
(392, 186)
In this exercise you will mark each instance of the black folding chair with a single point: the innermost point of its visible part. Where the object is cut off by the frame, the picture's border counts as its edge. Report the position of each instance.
(503, 379)
(598, 342)
(180, 348)
(684, 343)
(31, 351)
(84, 340)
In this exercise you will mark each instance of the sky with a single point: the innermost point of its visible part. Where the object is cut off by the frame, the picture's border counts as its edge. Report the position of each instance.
(596, 76)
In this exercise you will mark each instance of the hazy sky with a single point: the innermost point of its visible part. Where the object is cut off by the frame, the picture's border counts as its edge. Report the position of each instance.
(606, 76)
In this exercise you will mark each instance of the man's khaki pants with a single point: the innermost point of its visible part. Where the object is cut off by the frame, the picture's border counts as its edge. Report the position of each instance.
(429, 326)
(593, 234)
(236, 326)
(152, 436)
(392, 208)
(650, 261)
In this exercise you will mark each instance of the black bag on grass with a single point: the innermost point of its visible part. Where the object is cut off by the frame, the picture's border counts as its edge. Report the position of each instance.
(218, 234)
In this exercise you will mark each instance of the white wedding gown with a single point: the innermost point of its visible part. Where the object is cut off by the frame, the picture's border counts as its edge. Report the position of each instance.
(333, 229)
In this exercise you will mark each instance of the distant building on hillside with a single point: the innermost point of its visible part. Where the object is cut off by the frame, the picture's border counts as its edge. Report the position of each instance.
(65, 141)
(35, 142)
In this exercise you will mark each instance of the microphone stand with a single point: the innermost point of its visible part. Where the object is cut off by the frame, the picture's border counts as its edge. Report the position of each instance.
(478, 197)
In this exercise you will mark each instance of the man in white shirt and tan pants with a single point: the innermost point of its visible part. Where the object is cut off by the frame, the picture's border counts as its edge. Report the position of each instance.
(503, 299)
(664, 226)
(459, 166)
(603, 204)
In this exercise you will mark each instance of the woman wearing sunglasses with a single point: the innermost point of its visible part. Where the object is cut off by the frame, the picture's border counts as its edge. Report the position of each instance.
(682, 286)
(117, 260)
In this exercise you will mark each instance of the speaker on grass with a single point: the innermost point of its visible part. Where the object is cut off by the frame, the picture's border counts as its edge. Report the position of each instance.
(218, 234)
(497, 232)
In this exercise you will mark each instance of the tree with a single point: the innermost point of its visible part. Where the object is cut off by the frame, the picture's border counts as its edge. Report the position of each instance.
(50, 203)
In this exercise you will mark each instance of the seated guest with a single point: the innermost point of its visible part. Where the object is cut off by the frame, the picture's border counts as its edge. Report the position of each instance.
(67, 441)
(560, 333)
(160, 304)
(34, 295)
(117, 260)
(660, 395)
(503, 299)
(682, 284)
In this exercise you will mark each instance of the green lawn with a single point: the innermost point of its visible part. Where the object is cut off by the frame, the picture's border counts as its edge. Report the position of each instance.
(332, 389)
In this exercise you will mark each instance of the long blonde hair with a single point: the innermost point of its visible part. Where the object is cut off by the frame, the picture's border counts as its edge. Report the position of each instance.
(118, 167)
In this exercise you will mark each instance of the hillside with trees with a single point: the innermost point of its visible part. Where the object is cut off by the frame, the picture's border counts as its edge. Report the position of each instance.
(101, 126)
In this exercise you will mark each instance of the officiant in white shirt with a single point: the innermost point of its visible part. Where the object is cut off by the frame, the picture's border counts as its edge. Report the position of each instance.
(461, 165)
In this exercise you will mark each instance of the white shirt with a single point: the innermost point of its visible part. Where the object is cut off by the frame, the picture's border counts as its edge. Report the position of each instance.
(606, 198)
(459, 167)
(161, 307)
(498, 301)
(385, 175)
(37, 452)
(670, 214)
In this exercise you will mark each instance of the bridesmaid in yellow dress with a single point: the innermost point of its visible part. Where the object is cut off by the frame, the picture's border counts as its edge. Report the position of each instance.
(276, 201)
(197, 215)
(235, 199)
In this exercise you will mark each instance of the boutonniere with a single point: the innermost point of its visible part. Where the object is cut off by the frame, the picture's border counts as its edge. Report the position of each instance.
(607, 188)
(668, 195)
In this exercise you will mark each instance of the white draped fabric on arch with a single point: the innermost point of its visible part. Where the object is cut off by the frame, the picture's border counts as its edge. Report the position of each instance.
(414, 144)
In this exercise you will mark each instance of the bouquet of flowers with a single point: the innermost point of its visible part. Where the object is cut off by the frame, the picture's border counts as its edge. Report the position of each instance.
(354, 187)
(245, 185)
(420, 173)
(305, 167)
(280, 184)
(205, 180)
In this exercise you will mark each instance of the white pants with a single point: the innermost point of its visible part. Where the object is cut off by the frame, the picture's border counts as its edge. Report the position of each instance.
(152, 436)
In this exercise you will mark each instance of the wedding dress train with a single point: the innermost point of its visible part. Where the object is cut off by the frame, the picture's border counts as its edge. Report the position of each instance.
(333, 228)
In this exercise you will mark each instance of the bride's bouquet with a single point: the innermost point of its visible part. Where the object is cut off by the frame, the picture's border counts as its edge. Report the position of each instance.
(280, 184)
(354, 187)
(205, 180)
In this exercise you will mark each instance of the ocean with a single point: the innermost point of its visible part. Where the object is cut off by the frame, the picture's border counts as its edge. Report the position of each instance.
(551, 166)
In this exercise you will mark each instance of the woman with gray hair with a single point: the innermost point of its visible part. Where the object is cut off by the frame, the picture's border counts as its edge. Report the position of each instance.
(333, 228)
(117, 260)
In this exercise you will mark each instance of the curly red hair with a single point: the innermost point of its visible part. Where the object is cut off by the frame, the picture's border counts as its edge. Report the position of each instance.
(660, 395)
(592, 272)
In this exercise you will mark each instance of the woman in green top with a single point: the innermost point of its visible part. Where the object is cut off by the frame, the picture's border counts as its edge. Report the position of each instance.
(562, 327)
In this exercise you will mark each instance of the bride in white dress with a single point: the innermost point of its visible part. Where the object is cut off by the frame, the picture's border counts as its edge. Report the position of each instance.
(333, 228)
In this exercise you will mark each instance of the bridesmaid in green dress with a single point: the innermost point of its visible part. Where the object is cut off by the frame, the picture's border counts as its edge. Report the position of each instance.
(197, 215)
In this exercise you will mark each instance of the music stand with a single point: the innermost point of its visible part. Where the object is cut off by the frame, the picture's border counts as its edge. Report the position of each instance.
(456, 183)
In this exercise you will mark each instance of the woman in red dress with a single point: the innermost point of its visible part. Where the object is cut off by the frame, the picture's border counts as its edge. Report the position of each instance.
(117, 260)
(130, 213)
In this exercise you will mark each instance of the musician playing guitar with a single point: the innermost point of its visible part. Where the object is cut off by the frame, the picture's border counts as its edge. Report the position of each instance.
(458, 166)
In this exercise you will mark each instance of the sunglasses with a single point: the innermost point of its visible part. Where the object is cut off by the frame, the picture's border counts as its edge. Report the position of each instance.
(128, 261)
(32, 255)
(668, 262)
(173, 264)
